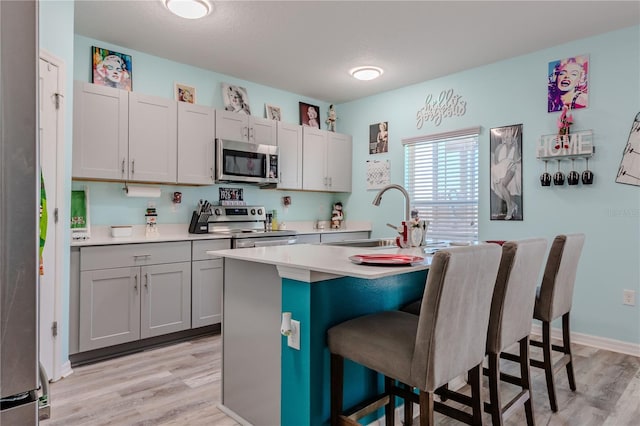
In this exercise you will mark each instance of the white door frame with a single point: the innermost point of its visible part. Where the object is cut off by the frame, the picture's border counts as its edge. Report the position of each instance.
(61, 367)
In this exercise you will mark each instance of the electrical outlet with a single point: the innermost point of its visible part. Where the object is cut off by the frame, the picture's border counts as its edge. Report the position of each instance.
(293, 340)
(629, 297)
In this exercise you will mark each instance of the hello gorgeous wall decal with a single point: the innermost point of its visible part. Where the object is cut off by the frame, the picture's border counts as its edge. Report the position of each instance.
(447, 104)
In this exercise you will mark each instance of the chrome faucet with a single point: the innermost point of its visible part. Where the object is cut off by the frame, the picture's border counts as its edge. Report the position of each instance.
(407, 208)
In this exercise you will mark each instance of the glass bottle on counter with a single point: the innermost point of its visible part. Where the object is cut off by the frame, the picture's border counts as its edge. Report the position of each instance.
(274, 221)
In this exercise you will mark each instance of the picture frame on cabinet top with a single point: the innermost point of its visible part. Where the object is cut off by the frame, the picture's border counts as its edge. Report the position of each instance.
(309, 115)
(273, 112)
(111, 69)
(235, 99)
(184, 93)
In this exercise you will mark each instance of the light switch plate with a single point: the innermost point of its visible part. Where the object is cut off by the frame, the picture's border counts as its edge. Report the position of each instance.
(293, 340)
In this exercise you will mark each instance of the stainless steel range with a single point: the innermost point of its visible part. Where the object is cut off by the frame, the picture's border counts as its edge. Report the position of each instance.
(247, 227)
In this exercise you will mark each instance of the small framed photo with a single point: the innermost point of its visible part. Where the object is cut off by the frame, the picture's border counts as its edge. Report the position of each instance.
(309, 115)
(379, 138)
(235, 99)
(184, 93)
(506, 172)
(112, 69)
(273, 112)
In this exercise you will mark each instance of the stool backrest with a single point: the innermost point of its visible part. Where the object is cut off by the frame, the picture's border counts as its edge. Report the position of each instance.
(556, 290)
(515, 293)
(452, 326)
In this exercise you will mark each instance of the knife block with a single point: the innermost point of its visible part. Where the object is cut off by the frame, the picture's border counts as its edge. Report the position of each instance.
(199, 223)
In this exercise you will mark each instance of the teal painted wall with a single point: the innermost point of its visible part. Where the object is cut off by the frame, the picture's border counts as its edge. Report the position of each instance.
(319, 306)
(153, 75)
(56, 38)
(512, 92)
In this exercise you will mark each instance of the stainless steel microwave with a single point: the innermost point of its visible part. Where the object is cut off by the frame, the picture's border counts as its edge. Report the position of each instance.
(246, 162)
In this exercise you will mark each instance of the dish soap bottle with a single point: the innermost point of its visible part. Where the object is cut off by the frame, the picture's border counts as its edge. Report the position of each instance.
(274, 221)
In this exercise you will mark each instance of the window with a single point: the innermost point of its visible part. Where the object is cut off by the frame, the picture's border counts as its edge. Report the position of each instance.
(441, 176)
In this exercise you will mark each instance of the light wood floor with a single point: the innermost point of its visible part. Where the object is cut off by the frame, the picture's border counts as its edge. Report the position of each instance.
(180, 385)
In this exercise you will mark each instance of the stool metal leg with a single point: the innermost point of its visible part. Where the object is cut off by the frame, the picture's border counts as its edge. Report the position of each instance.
(337, 377)
(526, 380)
(566, 342)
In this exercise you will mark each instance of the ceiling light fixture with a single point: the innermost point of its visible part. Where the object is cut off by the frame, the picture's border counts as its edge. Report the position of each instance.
(366, 73)
(189, 9)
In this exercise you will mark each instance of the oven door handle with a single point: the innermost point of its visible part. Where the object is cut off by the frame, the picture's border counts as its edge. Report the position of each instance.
(278, 242)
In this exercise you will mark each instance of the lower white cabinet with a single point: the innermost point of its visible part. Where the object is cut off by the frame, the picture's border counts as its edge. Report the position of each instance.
(343, 236)
(207, 277)
(133, 291)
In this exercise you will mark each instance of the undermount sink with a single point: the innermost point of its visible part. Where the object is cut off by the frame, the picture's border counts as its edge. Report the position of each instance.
(375, 242)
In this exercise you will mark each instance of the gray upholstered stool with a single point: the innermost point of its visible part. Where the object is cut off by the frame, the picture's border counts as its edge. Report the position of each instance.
(553, 300)
(446, 340)
(510, 323)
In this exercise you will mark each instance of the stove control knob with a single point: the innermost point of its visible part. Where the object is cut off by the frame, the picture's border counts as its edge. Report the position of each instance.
(260, 212)
(253, 211)
(217, 212)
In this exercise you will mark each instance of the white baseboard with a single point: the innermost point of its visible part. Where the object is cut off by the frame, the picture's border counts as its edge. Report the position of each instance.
(235, 416)
(65, 370)
(593, 341)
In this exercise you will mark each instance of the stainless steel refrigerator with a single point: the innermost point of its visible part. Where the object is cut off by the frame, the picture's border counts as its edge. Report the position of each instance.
(19, 203)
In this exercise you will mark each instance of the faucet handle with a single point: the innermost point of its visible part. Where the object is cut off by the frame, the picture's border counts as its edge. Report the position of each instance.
(394, 227)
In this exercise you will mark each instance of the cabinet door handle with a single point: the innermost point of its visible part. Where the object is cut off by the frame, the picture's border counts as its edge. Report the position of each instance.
(251, 135)
(138, 256)
(330, 181)
(146, 281)
(133, 167)
(280, 177)
(123, 161)
(135, 285)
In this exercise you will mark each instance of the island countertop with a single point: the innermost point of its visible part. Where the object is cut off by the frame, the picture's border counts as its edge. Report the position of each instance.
(327, 259)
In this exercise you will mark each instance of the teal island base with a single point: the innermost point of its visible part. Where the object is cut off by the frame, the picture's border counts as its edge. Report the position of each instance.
(265, 382)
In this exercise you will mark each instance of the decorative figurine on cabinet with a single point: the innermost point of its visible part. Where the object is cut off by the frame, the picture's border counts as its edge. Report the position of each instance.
(337, 216)
(331, 119)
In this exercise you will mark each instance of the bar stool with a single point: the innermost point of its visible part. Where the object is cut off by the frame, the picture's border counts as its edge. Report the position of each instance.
(553, 300)
(447, 339)
(510, 323)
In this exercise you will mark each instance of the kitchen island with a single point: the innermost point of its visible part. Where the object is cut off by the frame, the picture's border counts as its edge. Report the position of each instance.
(266, 382)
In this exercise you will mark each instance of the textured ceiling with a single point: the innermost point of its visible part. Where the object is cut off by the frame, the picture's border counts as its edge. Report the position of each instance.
(308, 47)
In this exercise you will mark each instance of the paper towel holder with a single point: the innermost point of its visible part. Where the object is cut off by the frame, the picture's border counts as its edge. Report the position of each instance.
(141, 191)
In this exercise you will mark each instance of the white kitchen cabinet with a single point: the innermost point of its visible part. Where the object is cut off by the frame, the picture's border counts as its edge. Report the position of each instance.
(308, 239)
(326, 160)
(153, 139)
(207, 277)
(121, 135)
(196, 144)
(133, 291)
(289, 156)
(339, 161)
(100, 132)
(241, 127)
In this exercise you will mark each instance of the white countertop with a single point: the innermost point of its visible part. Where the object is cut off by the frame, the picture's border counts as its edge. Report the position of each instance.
(327, 259)
(101, 234)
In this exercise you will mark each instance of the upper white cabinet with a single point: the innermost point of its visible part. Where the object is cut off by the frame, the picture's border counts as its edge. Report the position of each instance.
(196, 144)
(339, 161)
(326, 163)
(100, 132)
(120, 135)
(241, 127)
(289, 156)
(153, 139)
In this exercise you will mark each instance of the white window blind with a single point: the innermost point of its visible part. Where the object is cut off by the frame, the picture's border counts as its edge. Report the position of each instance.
(441, 176)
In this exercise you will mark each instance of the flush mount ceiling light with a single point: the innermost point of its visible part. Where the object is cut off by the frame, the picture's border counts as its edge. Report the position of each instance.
(189, 9)
(366, 73)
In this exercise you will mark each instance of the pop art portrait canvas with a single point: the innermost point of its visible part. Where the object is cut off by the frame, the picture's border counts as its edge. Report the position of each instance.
(112, 69)
(568, 84)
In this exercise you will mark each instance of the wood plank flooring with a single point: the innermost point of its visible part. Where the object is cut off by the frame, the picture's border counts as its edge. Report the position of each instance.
(180, 385)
